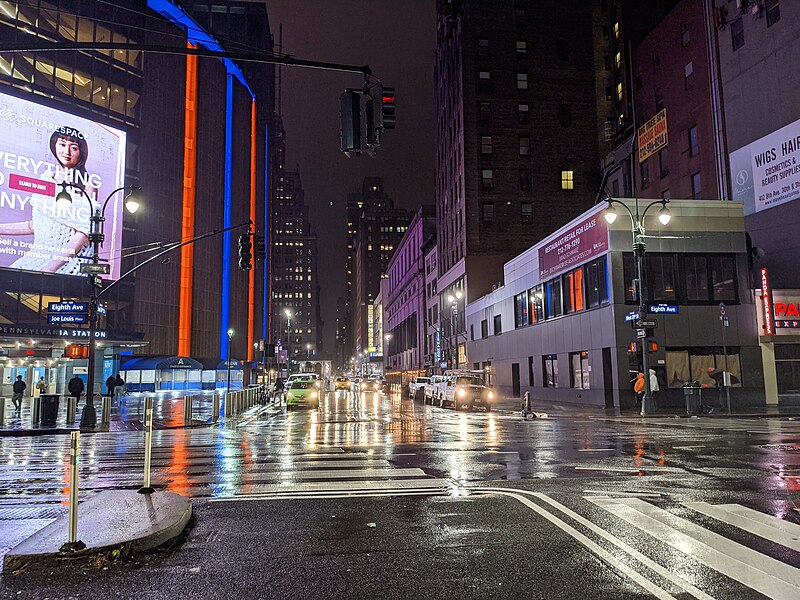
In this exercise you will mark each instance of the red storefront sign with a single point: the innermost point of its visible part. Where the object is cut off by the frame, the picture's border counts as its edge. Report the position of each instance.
(766, 303)
(577, 245)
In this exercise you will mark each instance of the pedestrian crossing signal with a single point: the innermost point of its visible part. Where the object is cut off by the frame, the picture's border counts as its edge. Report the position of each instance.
(261, 248)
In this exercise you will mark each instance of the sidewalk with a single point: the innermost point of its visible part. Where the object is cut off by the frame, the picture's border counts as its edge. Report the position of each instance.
(127, 414)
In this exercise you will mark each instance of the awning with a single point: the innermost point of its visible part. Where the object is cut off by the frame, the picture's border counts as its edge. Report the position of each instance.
(161, 363)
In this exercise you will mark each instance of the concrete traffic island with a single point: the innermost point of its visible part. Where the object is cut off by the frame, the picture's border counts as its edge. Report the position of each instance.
(111, 524)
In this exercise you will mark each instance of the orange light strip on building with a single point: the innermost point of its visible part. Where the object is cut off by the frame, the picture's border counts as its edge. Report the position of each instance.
(187, 216)
(251, 287)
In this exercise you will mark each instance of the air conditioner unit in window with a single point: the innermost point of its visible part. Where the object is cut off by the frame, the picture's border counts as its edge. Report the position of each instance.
(608, 131)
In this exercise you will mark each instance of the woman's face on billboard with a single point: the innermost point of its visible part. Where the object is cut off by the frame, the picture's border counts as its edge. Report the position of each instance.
(68, 152)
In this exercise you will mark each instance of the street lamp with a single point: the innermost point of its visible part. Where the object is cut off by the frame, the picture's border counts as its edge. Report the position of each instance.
(638, 234)
(96, 237)
(308, 351)
(230, 338)
(453, 300)
(288, 313)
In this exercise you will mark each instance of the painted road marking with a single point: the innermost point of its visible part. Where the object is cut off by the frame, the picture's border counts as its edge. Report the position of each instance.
(755, 570)
(763, 525)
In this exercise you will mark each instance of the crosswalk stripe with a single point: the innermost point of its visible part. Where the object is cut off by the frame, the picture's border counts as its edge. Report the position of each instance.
(255, 491)
(766, 526)
(757, 571)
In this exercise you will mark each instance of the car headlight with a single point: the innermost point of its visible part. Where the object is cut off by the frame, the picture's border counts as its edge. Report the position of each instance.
(490, 394)
(313, 394)
(462, 392)
(317, 384)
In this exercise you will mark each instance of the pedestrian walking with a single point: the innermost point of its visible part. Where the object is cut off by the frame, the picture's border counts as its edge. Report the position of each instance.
(119, 385)
(110, 385)
(654, 388)
(75, 388)
(41, 386)
(19, 389)
(639, 387)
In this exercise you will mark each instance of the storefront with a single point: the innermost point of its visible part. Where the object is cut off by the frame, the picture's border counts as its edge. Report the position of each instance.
(563, 324)
(162, 373)
(780, 343)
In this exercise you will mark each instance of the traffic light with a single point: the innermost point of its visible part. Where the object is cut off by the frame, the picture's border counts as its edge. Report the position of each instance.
(350, 113)
(374, 115)
(388, 108)
(245, 256)
(261, 249)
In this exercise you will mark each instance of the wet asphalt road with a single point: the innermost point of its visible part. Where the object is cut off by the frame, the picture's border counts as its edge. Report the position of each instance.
(377, 496)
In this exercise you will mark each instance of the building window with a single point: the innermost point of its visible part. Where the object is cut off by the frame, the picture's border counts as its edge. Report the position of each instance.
(609, 93)
(618, 61)
(723, 278)
(619, 91)
(485, 113)
(737, 34)
(483, 47)
(472, 332)
(659, 99)
(486, 144)
(644, 172)
(629, 276)
(694, 143)
(484, 328)
(564, 115)
(663, 168)
(694, 364)
(521, 310)
(562, 50)
(606, 32)
(550, 370)
(522, 80)
(552, 293)
(685, 37)
(527, 212)
(487, 212)
(525, 179)
(567, 180)
(607, 63)
(487, 179)
(524, 145)
(484, 79)
(773, 8)
(520, 14)
(661, 274)
(696, 278)
(523, 114)
(498, 324)
(536, 297)
(579, 370)
(616, 30)
(522, 48)
(688, 69)
(696, 188)
(596, 282)
(530, 371)
(573, 291)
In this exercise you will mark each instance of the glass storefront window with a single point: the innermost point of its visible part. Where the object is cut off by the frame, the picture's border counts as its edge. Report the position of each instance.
(521, 310)
(553, 298)
(550, 370)
(536, 297)
(696, 278)
(573, 291)
(723, 278)
(579, 370)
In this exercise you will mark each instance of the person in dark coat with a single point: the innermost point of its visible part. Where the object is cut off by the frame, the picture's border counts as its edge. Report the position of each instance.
(19, 390)
(119, 385)
(75, 387)
(110, 386)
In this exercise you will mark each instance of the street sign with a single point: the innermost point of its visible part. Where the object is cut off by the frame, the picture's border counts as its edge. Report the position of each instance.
(650, 324)
(67, 306)
(69, 318)
(641, 333)
(725, 321)
(632, 316)
(721, 309)
(663, 309)
(95, 268)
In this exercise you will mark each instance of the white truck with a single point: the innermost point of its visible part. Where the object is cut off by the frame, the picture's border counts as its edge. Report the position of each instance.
(465, 390)
(432, 388)
(417, 385)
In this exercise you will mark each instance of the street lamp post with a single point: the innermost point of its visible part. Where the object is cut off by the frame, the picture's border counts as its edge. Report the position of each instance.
(453, 300)
(638, 234)
(308, 352)
(96, 237)
(228, 361)
(288, 314)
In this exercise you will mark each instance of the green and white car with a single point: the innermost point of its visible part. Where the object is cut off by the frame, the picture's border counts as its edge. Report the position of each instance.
(302, 392)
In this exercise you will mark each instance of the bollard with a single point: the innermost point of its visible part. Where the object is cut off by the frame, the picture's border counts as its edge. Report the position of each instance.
(73, 544)
(148, 438)
(187, 409)
(105, 414)
(36, 411)
(2, 411)
(215, 408)
(72, 409)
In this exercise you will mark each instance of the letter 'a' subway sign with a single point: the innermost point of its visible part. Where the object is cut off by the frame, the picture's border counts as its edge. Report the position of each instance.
(766, 303)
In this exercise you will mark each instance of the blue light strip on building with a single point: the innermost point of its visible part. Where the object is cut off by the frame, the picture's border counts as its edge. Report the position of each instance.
(266, 291)
(227, 222)
(196, 35)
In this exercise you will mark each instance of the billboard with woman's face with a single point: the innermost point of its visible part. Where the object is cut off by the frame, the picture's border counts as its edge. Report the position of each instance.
(44, 151)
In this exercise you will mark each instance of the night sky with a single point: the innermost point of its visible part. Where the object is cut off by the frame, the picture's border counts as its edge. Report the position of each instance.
(397, 39)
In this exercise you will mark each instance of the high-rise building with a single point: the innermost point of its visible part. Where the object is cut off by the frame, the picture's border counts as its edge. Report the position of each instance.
(518, 152)
(190, 131)
(374, 227)
(295, 286)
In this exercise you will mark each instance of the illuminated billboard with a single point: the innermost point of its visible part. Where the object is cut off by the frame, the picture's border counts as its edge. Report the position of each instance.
(42, 152)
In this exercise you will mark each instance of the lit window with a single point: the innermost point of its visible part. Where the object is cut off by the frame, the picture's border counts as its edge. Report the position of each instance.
(522, 80)
(524, 146)
(523, 113)
(567, 180)
(487, 179)
(616, 30)
(522, 48)
(486, 144)
(619, 91)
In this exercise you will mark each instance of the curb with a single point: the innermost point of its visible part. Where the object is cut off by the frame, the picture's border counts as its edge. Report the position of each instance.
(117, 524)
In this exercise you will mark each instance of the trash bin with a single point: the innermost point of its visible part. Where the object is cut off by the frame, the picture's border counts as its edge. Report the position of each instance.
(693, 399)
(49, 409)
